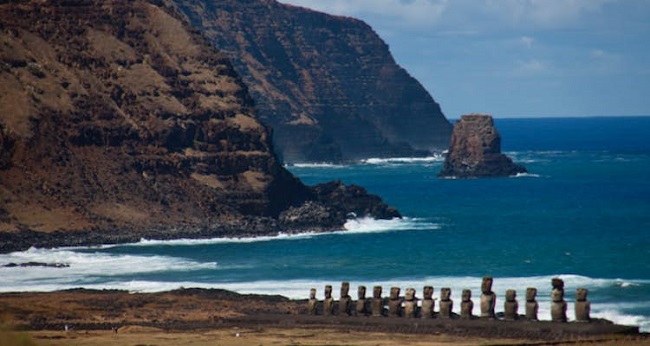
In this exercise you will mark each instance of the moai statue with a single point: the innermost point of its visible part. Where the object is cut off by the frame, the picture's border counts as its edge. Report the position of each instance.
(360, 308)
(558, 305)
(427, 302)
(488, 298)
(328, 302)
(345, 302)
(395, 303)
(531, 304)
(467, 305)
(312, 304)
(582, 305)
(411, 303)
(377, 303)
(511, 306)
(446, 304)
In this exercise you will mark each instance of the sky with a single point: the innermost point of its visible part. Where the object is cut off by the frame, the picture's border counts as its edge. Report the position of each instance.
(517, 58)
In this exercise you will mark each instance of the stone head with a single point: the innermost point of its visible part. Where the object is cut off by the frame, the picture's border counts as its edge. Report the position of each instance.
(581, 294)
(445, 293)
(376, 292)
(531, 294)
(486, 285)
(328, 291)
(428, 292)
(409, 294)
(467, 295)
(511, 295)
(361, 292)
(394, 292)
(345, 289)
(312, 293)
(557, 295)
(558, 284)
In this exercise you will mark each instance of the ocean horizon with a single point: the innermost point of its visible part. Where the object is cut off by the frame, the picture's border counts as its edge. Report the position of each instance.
(582, 213)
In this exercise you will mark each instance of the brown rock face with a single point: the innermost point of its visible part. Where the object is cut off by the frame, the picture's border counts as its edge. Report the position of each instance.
(327, 85)
(118, 121)
(475, 151)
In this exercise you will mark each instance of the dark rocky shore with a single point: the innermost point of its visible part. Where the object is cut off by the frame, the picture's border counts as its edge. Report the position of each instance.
(327, 210)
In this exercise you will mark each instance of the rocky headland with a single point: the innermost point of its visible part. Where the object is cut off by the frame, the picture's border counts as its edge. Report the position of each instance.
(328, 85)
(119, 121)
(475, 151)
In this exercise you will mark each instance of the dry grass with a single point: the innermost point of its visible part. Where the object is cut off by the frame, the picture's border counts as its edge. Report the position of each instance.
(257, 181)
(51, 219)
(12, 338)
(119, 211)
(210, 180)
(245, 337)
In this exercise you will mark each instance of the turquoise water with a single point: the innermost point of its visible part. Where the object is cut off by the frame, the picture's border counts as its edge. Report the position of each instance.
(582, 213)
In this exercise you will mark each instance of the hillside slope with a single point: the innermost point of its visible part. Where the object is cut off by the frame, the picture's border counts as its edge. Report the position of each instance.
(118, 121)
(327, 85)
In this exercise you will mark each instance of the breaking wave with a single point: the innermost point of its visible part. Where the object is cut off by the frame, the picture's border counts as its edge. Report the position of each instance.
(315, 165)
(370, 225)
(380, 161)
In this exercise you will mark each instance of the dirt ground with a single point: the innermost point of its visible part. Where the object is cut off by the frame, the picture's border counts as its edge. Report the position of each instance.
(141, 336)
(215, 317)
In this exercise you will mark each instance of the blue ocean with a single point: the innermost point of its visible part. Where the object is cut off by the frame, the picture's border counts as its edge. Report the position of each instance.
(582, 213)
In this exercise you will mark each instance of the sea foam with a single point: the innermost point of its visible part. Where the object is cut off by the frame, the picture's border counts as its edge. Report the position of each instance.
(370, 225)
(316, 165)
(83, 268)
(403, 160)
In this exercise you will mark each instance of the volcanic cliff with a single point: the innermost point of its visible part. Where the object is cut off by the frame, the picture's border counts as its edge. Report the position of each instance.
(119, 121)
(328, 85)
(475, 150)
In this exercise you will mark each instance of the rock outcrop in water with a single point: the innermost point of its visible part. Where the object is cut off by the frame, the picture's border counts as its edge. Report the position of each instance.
(475, 150)
(328, 85)
(119, 121)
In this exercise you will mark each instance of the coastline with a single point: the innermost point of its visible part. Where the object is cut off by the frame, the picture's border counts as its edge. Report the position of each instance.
(249, 228)
(90, 314)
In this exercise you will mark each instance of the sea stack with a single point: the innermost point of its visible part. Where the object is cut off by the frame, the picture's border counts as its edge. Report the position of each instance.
(475, 151)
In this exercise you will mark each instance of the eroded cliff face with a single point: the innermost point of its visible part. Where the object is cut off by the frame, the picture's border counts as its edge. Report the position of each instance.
(327, 85)
(118, 121)
(475, 150)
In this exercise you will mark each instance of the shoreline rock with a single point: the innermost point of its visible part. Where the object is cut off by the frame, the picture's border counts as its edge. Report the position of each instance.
(475, 151)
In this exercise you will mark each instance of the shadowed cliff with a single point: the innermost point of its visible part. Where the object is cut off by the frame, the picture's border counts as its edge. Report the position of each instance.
(118, 121)
(327, 85)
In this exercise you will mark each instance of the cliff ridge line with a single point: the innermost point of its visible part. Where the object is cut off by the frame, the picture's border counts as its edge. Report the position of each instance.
(328, 85)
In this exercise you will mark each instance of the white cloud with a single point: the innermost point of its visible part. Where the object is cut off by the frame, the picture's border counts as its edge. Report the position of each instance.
(404, 12)
(546, 13)
(459, 14)
(530, 67)
(604, 62)
(527, 41)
